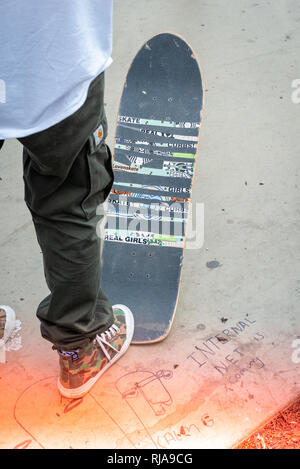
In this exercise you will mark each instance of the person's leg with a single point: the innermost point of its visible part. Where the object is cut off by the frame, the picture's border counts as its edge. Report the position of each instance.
(67, 174)
(1, 143)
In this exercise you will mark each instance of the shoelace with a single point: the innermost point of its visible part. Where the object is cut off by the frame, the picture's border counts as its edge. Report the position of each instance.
(101, 339)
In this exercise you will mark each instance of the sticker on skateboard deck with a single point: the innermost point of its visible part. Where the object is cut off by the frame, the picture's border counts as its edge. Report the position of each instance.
(154, 164)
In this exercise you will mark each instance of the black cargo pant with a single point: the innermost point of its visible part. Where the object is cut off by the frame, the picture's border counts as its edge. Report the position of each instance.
(67, 175)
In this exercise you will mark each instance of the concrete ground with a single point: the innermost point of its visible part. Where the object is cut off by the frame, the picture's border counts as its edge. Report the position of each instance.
(231, 361)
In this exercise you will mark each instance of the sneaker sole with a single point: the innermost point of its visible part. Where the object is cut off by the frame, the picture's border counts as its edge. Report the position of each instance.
(84, 389)
(9, 325)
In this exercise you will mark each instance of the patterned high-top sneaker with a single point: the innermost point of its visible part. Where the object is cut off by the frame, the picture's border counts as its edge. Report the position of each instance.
(81, 369)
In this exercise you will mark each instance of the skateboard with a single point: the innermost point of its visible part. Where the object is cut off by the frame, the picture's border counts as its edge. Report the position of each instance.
(154, 160)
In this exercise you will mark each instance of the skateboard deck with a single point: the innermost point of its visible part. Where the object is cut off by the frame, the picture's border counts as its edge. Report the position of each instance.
(154, 159)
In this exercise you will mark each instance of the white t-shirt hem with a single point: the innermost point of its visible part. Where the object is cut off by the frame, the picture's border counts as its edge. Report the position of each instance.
(58, 117)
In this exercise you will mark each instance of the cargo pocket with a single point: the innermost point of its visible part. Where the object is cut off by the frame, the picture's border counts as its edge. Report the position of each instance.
(101, 177)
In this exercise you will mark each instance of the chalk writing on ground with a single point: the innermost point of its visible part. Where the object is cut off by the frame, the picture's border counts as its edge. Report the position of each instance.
(236, 363)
